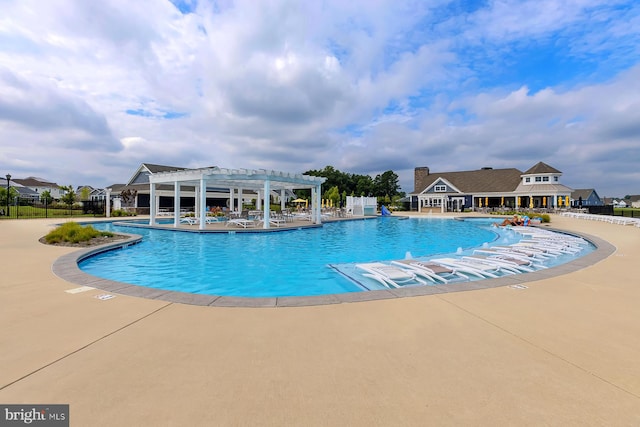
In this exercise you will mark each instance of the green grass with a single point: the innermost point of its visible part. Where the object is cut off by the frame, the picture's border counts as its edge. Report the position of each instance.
(72, 232)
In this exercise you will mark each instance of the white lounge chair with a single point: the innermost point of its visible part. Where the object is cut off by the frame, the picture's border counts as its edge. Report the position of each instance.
(431, 271)
(389, 275)
(241, 222)
(502, 264)
(478, 270)
(189, 220)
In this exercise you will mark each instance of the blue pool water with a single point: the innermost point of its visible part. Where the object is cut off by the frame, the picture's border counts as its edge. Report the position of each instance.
(285, 263)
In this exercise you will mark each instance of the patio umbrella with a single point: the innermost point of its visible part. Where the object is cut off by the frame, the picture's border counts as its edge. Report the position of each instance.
(299, 201)
(486, 201)
(566, 200)
(544, 202)
(531, 202)
(502, 201)
(519, 201)
(479, 203)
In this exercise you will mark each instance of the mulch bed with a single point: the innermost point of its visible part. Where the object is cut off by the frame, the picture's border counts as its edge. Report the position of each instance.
(93, 242)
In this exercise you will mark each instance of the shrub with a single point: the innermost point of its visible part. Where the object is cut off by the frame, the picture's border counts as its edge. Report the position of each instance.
(122, 212)
(73, 232)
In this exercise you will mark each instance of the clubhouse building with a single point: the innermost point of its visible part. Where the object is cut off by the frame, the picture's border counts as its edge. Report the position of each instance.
(537, 188)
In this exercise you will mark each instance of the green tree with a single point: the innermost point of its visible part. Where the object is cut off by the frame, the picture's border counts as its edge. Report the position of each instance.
(364, 186)
(45, 197)
(333, 194)
(85, 193)
(387, 185)
(69, 197)
(13, 193)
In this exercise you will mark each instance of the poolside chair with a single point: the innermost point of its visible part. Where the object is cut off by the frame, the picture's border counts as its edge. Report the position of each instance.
(241, 222)
(482, 271)
(431, 271)
(189, 220)
(389, 275)
(514, 267)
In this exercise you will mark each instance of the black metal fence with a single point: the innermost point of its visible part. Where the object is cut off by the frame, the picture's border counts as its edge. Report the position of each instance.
(32, 208)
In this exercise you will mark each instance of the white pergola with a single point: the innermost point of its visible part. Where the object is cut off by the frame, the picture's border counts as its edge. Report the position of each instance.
(236, 180)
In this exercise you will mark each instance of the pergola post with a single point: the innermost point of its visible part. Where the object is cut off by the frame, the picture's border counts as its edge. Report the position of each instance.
(152, 205)
(267, 205)
(282, 201)
(203, 203)
(231, 209)
(176, 204)
(317, 212)
(108, 201)
(240, 197)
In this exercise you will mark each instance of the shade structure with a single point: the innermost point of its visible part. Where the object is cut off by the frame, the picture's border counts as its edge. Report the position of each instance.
(544, 202)
(502, 201)
(479, 203)
(566, 201)
(531, 202)
(519, 201)
(486, 201)
(299, 201)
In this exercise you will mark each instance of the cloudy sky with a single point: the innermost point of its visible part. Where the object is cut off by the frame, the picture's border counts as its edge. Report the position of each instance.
(89, 90)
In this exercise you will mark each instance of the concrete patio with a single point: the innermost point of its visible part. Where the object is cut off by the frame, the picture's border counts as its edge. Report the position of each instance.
(563, 351)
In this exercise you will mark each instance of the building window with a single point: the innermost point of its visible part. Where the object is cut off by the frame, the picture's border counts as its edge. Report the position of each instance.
(527, 179)
(545, 178)
(440, 188)
(555, 178)
(538, 179)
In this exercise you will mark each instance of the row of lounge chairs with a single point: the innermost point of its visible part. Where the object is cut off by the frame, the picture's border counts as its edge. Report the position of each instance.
(611, 219)
(537, 247)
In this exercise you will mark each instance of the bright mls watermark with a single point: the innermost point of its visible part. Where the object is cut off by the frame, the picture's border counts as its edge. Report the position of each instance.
(34, 415)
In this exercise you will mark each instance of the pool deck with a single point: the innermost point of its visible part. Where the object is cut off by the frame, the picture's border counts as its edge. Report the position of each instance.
(565, 350)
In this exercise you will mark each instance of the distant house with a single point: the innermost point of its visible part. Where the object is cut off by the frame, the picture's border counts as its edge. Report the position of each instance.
(25, 192)
(585, 197)
(538, 187)
(40, 185)
(634, 201)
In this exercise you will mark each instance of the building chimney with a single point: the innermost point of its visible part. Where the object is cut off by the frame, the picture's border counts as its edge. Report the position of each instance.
(420, 177)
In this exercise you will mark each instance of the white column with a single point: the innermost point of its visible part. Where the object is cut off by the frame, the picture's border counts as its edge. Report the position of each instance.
(108, 207)
(196, 201)
(317, 209)
(312, 211)
(265, 212)
(240, 197)
(258, 200)
(152, 205)
(282, 204)
(231, 200)
(203, 203)
(176, 204)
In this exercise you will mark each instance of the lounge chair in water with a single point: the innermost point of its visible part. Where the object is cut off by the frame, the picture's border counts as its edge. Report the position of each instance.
(389, 275)
(476, 269)
(431, 271)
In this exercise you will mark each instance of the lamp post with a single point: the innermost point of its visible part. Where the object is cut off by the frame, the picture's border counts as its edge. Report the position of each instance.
(8, 187)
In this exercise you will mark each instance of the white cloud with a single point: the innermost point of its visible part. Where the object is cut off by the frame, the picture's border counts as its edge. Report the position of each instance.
(363, 86)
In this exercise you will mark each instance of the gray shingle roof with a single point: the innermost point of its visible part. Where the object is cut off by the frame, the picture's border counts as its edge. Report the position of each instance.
(483, 180)
(541, 167)
(161, 168)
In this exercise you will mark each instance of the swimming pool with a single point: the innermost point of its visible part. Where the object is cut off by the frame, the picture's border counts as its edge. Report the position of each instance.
(286, 263)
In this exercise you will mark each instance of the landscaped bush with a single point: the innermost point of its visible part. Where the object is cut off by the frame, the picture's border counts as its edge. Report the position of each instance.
(73, 232)
(121, 212)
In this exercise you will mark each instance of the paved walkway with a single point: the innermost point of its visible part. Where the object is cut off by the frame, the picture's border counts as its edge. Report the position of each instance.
(564, 351)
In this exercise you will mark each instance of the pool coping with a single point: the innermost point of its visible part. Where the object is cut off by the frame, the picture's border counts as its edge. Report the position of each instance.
(66, 267)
